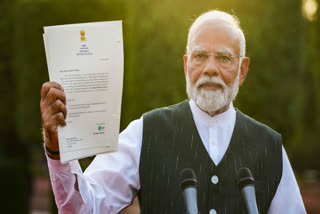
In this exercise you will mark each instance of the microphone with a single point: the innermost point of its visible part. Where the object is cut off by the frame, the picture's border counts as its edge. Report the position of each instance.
(246, 187)
(188, 185)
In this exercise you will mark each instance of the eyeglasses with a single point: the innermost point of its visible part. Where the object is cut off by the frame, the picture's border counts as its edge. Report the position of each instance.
(224, 60)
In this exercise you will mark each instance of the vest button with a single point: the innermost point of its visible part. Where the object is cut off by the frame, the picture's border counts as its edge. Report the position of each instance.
(212, 211)
(214, 179)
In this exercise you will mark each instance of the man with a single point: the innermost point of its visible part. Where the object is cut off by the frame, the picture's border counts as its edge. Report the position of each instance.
(205, 133)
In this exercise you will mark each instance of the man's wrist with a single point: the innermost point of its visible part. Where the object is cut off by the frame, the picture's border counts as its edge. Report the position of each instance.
(51, 154)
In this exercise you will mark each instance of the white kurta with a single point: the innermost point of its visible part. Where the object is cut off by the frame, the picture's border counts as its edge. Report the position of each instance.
(112, 180)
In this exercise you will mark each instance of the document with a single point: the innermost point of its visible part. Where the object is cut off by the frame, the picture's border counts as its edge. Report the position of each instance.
(87, 60)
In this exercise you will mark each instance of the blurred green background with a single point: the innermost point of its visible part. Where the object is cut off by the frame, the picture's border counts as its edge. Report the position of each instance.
(282, 89)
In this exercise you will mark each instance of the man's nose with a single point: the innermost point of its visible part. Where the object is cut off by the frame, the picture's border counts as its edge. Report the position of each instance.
(211, 66)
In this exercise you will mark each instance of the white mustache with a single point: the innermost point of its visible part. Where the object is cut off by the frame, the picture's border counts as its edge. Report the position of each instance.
(213, 80)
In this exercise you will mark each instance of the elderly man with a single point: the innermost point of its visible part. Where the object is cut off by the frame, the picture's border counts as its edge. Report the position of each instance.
(205, 133)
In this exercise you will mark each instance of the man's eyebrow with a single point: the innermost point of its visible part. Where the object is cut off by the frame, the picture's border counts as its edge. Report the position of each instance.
(198, 48)
(221, 51)
(224, 51)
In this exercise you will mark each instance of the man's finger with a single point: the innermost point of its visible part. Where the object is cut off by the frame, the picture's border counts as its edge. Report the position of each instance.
(51, 125)
(46, 87)
(59, 117)
(58, 106)
(53, 95)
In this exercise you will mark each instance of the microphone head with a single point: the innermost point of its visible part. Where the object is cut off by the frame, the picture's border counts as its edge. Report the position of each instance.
(244, 177)
(187, 179)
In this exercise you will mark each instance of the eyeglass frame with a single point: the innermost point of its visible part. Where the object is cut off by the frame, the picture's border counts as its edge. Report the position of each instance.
(215, 55)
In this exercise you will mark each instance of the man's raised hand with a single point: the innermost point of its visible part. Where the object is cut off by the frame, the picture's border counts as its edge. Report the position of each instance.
(53, 113)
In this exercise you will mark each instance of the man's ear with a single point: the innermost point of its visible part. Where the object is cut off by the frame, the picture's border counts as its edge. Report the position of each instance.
(244, 69)
(185, 61)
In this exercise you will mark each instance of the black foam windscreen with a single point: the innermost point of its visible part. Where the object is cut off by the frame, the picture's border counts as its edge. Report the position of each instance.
(244, 177)
(187, 178)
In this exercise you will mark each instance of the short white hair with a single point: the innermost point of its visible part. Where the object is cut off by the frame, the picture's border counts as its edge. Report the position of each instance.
(218, 15)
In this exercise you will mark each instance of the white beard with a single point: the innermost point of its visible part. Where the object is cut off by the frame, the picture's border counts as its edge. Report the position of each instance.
(212, 100)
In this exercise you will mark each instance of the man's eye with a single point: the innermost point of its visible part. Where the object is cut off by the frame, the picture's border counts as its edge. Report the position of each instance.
(200, 56)
(223, 58)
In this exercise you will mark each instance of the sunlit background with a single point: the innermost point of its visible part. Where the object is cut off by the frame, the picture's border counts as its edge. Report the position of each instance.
(309, 9)
(282, 89)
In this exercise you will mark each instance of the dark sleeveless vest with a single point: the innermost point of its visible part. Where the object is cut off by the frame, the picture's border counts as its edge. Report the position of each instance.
(172, 143)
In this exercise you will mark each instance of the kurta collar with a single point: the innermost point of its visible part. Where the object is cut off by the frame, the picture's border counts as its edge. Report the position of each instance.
(224, 119)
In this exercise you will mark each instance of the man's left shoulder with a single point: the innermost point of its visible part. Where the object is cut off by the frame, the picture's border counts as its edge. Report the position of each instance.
(259, 127)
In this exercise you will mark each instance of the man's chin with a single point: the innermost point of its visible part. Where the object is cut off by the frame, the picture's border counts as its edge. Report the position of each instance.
(210, 103)
(210, 93)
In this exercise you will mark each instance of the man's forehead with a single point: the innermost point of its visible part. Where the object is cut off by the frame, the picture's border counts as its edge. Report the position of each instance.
(216, 25)
(214, 33)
